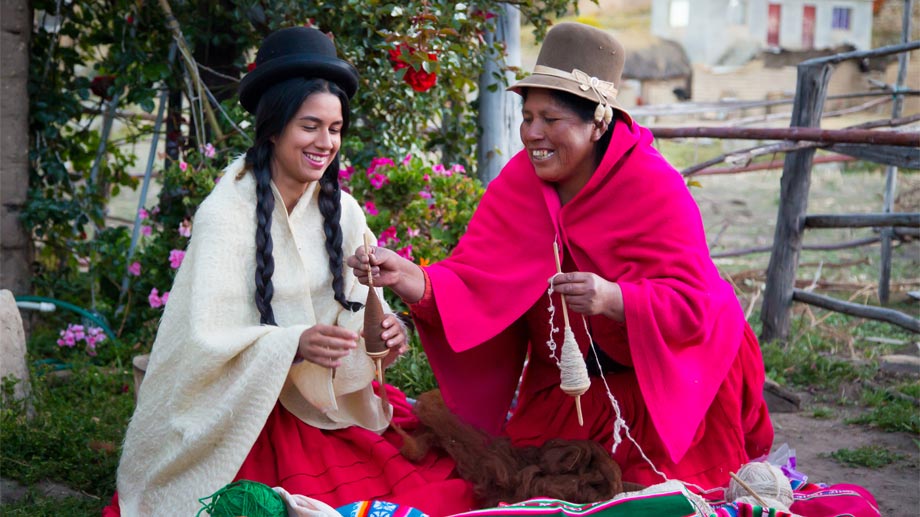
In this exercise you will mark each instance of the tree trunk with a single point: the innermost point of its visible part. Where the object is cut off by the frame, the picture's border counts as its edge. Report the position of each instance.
(16, 248)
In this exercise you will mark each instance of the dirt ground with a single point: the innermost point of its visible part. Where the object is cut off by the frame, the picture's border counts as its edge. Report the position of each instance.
(896, 487)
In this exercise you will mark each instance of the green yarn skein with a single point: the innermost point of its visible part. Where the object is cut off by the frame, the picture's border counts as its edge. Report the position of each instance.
(244, 498)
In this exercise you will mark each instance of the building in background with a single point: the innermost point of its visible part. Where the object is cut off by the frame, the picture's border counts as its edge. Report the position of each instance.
(729, 32)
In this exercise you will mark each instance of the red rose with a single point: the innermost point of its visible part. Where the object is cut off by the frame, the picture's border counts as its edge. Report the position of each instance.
(420, 80)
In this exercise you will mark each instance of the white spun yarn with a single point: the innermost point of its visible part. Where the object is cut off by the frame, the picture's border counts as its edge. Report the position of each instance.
(573, 371)
(767, 480)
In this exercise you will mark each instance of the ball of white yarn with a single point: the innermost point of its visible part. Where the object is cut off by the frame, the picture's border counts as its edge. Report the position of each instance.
(769, 503)
(767, 480)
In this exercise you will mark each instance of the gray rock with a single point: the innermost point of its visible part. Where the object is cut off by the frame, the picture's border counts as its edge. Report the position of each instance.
(13, 346)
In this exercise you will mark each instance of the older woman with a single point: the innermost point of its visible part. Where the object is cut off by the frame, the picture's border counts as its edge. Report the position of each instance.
(656, 324)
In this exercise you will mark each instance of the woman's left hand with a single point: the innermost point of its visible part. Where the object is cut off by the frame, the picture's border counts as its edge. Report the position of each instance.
(589, 294)
(394, 335)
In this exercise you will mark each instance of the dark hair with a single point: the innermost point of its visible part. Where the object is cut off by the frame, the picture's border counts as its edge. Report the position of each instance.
(276, 108)
(584, 109)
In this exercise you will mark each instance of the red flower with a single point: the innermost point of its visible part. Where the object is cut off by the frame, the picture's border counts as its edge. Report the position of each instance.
(251, 66)
(419, 79)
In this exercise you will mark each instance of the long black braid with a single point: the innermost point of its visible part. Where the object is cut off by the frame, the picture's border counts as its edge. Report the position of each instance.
(329, 196)
(259, 159)
(276, 108)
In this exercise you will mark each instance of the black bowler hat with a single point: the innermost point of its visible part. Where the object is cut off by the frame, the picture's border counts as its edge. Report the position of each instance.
(296, 52)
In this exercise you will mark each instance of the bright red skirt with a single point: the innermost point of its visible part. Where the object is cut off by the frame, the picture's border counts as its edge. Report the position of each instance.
(348, 465)
(354, 464)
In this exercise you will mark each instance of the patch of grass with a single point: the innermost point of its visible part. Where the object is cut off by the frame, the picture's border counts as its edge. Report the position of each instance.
(889, 412)
(806, 363)
(822, 412)
(74, 437)
(43, 506)
(871, 456)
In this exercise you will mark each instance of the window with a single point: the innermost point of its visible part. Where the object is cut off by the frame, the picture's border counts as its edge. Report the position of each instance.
(841, 18)
(680, 13)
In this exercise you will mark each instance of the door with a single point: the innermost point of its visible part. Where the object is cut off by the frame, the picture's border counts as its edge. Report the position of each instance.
(773, 16)
(808, 27)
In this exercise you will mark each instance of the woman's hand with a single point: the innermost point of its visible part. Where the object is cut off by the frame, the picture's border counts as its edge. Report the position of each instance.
(389, 270)
(326, 345)
(394, 335)
(589, 294)
(383, 263)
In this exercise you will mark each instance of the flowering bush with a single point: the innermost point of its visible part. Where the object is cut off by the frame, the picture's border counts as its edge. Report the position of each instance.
(73, 334)
(416, 209)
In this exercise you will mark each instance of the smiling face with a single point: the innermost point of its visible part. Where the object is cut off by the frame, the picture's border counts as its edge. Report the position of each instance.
(308, 144)
(560, 144)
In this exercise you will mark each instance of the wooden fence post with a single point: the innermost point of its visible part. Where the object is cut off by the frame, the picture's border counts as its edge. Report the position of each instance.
(810, 92)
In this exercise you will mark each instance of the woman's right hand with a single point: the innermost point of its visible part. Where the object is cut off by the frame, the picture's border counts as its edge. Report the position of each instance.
(326, 345)
(382, 263)
(389, 270)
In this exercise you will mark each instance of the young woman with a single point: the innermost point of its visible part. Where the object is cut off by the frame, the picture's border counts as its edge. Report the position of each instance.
(259, 370)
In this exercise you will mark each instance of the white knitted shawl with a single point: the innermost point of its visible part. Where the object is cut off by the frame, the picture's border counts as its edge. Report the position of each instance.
(215, 373)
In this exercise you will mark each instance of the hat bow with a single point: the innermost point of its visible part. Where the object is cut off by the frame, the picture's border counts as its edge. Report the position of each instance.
(605, 90)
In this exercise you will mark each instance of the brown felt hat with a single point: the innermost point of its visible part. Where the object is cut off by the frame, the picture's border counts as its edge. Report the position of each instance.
(581, 60)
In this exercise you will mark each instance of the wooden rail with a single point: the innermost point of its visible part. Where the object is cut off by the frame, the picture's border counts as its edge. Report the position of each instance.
(911, 220)
(780, 291)
(855, 309)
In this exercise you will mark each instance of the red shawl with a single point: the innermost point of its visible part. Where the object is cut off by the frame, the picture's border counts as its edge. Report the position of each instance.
(634, 223)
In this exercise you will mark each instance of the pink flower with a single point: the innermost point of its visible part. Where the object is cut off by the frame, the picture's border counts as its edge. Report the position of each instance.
(345, 174)
(154, 298)
(165, 297)
(142, 214)
(387, 236)
(77, 330)
(185, 228)
(378, 162)
(405, 252)
(135, 268)
(426, 177)
(209, 151)
(67, 337)
(217, 180)
(407, 159)
(412, 232)
(175, 258)
(424, 194)
(457, 169)
(146, 230)
(183, 166)
(378, 181)
(370, 208)
(439, 170)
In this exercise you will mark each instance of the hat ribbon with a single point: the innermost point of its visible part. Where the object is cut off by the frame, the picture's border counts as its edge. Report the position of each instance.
(605, 91)
(585, 82)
